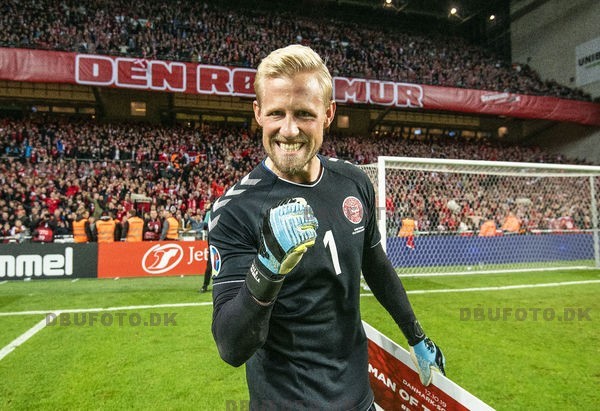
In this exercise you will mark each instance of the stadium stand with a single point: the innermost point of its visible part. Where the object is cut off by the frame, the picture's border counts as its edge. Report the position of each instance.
(214, 33)
(53, 169)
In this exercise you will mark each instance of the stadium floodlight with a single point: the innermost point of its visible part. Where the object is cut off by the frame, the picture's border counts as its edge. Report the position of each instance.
(397, 5)
(555, 206)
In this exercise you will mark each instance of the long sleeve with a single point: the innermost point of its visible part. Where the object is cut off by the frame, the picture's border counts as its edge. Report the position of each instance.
(389, 291)
(240, 324)
(165, 229)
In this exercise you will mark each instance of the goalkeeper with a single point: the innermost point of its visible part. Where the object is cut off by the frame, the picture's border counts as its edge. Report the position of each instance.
(288, 243)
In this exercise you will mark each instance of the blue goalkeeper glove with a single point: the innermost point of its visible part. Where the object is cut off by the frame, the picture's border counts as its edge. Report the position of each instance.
(427, 357)
(289, 229)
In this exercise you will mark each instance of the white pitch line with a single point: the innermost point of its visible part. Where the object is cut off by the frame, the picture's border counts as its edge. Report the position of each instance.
(3, 282)
(91, 310)
(175, 305)
(511, 271)
(55, 313)
(42, 324)
(504, 287)
(499, 288)
(24, 337)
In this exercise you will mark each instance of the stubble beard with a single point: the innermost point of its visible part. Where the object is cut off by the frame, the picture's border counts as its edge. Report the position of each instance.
(291, 165)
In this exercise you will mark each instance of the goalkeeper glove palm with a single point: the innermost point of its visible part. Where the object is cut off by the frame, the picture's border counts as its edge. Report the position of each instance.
(288, 230)
(427, 357)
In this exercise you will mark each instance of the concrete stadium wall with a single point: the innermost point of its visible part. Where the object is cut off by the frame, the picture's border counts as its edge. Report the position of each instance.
(572, 141)
(546, 37)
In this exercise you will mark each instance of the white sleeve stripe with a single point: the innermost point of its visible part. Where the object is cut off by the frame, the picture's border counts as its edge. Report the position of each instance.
(376, 244)
(229, 282)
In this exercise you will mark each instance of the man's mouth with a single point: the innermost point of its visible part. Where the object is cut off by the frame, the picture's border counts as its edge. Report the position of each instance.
(290, 146)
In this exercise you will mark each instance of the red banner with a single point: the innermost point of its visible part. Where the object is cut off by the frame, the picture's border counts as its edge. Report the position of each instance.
(397, 386)
(193, 78)
(152, 258)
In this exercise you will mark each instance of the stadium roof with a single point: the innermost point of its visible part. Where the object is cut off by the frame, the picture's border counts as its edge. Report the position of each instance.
(465, 9)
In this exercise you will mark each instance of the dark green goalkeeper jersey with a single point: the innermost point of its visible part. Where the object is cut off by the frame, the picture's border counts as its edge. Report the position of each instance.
(308, 349)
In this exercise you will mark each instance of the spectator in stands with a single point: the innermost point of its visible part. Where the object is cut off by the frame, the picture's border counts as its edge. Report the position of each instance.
(5, 232)
(196, 223)
(226, 38)
(19, 232)
(62, 229)
(44, 232)
(153, 226)
(185, 223)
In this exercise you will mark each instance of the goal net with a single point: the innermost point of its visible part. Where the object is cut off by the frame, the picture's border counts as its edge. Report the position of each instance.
(458, 216)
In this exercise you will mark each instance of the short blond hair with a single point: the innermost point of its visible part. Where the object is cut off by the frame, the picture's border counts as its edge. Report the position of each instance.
(291, 60)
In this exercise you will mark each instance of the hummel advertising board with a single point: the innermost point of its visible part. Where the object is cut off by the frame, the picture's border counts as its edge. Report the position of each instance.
(23, 261)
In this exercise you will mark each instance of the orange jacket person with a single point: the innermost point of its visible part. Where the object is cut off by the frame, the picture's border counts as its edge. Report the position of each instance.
(407, 230)
(170, 229)
(488, 228)
(82, 232)
(511, 224)
(133, 228)
(106, 228)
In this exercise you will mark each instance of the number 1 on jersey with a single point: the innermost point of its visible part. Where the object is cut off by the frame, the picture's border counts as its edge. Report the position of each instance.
(329, 241)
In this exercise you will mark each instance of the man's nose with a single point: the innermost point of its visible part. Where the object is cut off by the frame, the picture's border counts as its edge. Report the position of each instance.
(289, 128)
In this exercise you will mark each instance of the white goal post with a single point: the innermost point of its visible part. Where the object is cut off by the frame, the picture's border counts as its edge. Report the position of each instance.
(441, 216)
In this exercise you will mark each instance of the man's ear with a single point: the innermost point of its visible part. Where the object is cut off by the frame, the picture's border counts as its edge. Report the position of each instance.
(329, 114)
(257, 112)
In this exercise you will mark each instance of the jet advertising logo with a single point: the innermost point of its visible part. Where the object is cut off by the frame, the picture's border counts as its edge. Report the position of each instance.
(162, 258)
(145, 259)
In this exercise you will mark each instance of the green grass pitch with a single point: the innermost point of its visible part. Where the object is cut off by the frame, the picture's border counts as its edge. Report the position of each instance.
(515, 348)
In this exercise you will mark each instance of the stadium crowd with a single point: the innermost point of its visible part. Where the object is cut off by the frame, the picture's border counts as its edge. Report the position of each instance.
(212, 33)
(53, 172)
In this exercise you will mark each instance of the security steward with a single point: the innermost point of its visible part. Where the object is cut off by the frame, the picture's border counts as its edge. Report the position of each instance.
(106, 229)
(133, 228)
(170, 229)
(82, 231)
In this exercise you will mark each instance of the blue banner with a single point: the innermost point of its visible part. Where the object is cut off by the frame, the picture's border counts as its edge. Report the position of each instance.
(452, 250)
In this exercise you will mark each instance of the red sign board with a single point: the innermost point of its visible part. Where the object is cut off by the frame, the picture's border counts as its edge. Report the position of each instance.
(397, 387)
(152, 258)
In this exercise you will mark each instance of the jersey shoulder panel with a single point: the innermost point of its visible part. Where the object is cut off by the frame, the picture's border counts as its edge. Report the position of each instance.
(346, 169)
(234, 226)
(239, 205)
